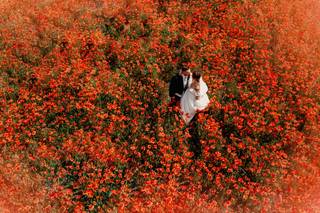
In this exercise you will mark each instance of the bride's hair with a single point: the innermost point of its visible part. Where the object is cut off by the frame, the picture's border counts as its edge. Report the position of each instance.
(196, 75)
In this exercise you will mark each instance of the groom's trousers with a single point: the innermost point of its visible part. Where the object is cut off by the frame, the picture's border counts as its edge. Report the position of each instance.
(195, 145)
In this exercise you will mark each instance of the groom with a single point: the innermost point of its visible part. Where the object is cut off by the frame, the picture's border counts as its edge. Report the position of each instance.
(178, 85)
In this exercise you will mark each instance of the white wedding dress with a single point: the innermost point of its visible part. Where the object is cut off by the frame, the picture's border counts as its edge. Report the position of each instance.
(189, 103)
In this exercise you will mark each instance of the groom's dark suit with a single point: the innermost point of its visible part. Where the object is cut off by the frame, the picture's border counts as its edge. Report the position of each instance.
(177, 88)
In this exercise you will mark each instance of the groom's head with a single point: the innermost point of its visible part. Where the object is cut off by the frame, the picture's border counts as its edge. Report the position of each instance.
(185, 71)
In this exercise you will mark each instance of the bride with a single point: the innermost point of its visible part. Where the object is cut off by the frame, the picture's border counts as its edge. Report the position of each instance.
(195, 98)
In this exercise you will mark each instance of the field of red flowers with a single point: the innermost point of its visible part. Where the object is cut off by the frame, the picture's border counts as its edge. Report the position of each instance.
(84, 117)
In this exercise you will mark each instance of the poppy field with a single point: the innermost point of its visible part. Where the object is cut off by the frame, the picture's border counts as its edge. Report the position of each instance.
(85, 124)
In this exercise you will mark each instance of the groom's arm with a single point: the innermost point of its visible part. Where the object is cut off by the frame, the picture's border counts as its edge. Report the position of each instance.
(172, 87)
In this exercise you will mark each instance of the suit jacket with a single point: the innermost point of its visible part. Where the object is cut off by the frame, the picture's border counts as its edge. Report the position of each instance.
(176, 88)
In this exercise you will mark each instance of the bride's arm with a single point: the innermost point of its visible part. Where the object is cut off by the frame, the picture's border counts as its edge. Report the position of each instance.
(203, 88)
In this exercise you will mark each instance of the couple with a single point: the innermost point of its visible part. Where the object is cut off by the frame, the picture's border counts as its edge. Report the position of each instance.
(190, 92)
